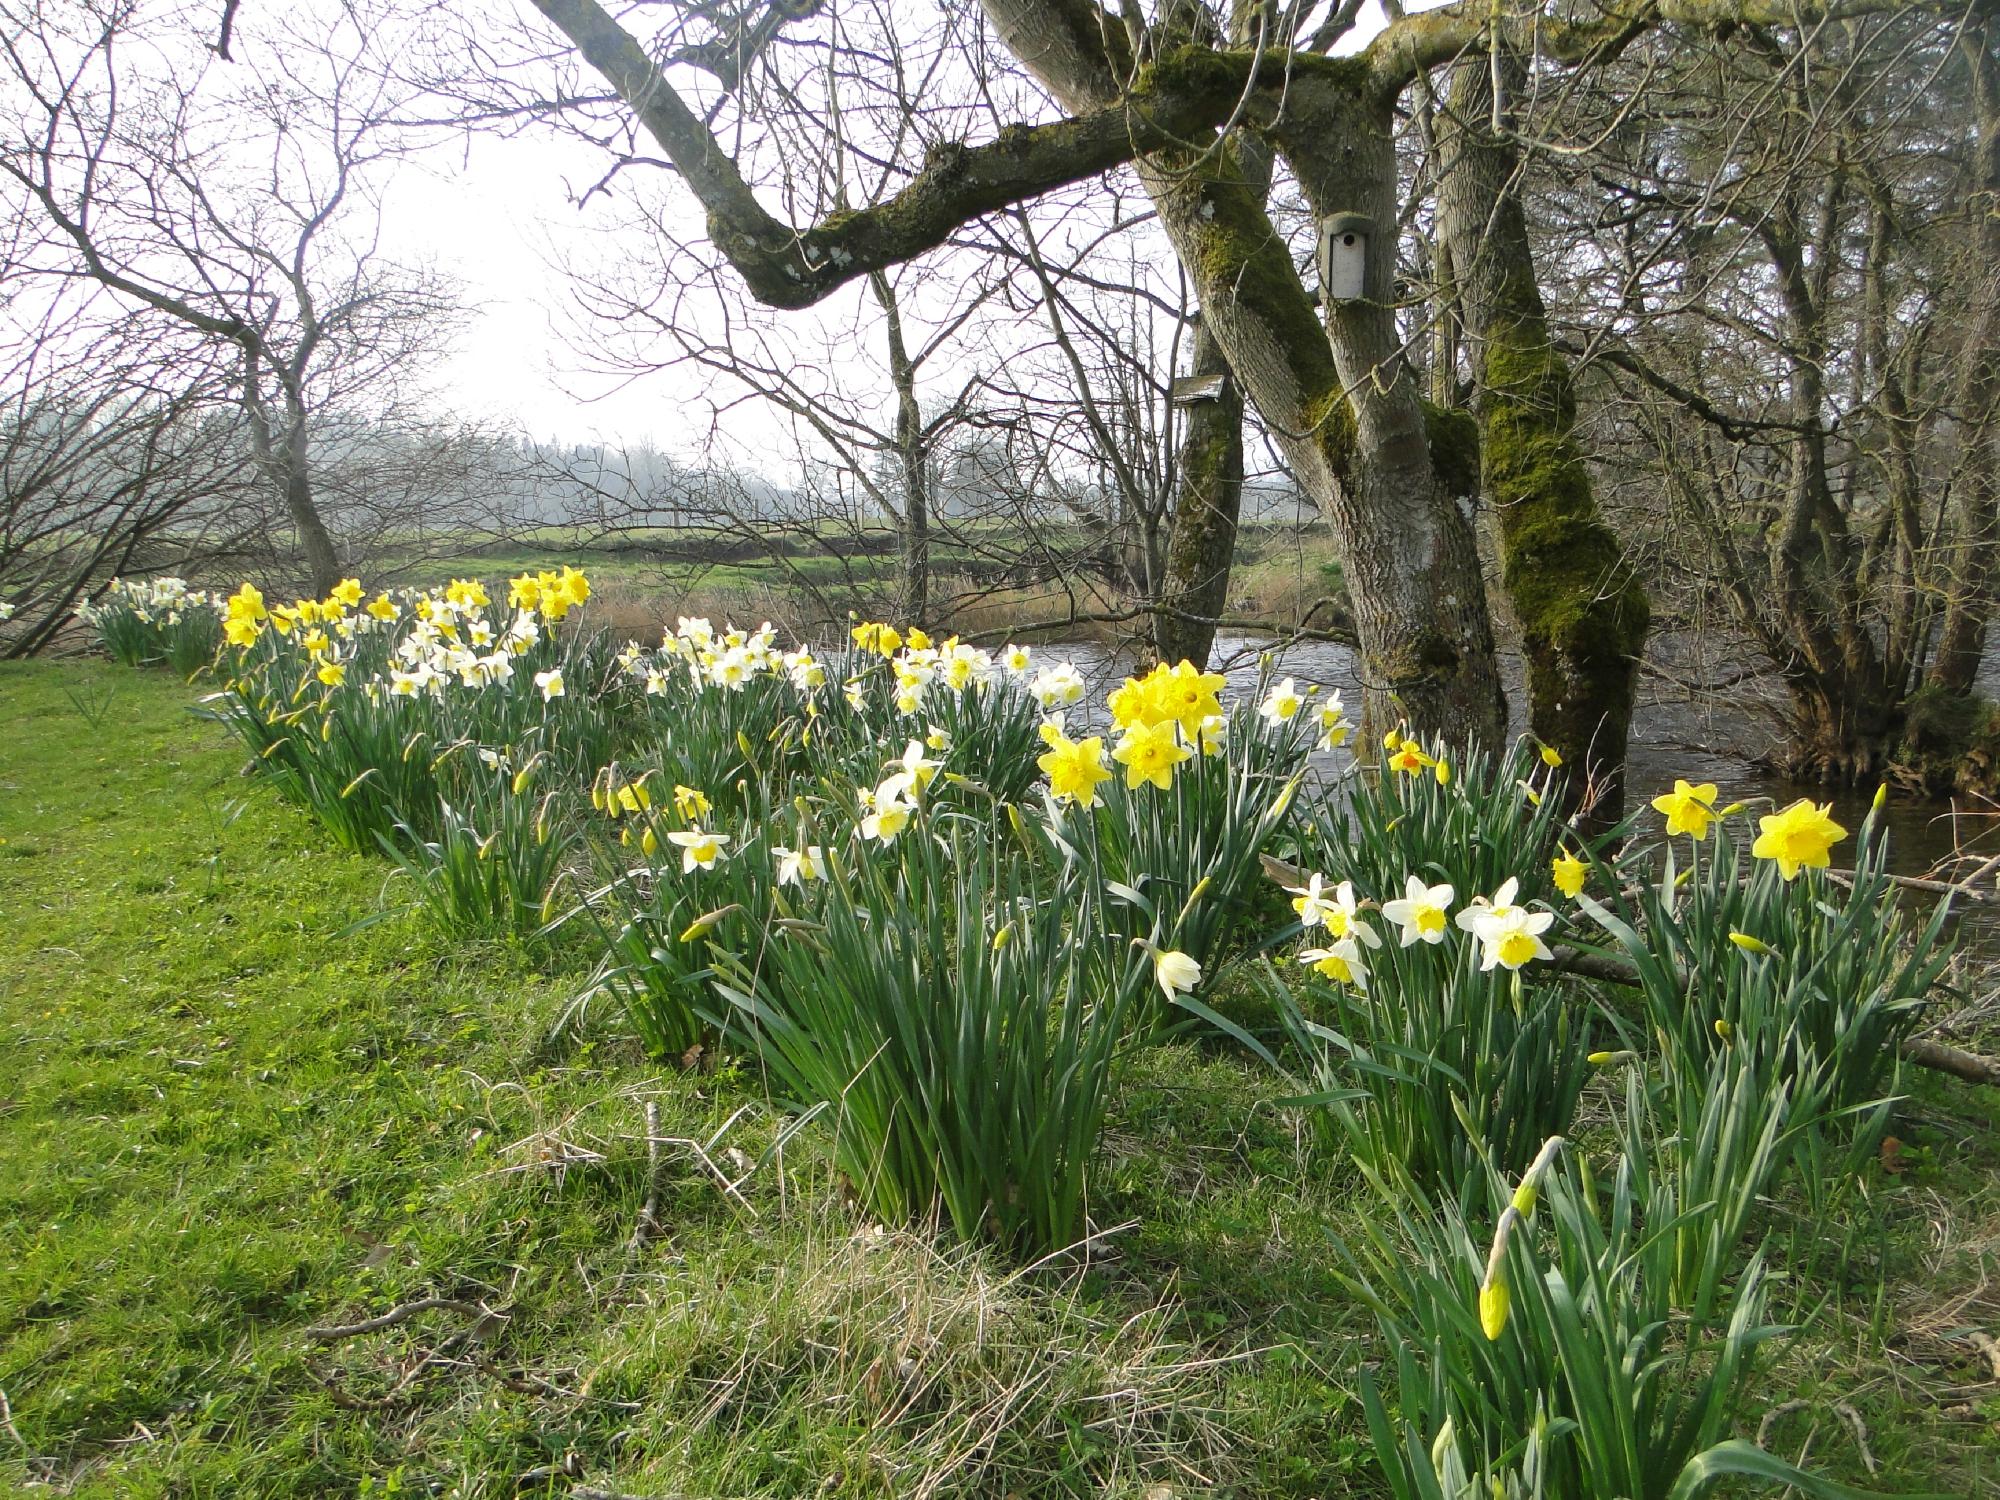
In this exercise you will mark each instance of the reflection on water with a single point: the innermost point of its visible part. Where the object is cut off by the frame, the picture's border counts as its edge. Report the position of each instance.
(1667, 741)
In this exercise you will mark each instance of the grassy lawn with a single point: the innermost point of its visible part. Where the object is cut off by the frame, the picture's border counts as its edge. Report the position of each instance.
(230, 1117)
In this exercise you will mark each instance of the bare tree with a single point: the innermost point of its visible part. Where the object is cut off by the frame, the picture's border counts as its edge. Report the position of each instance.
(116, 457)
(240, 206)
(1790, 322)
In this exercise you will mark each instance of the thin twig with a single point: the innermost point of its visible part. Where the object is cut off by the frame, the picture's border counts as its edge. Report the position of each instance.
(402, 1313)
(649, 1216)
(1853, 1419)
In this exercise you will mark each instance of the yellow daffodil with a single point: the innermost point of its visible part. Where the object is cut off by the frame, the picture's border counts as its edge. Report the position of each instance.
(1568, 872)
(1074, 768)
(247, 603)
(347, 592)
(1687, 809)
(1551, 757)
(1801, 837)
(1408, 758)
(332, 673)
(1149, 753)
(466, 593)
(690, 804)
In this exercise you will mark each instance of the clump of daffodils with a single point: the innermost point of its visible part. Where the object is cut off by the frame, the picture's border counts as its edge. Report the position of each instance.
(1509, 935)
(433, 641)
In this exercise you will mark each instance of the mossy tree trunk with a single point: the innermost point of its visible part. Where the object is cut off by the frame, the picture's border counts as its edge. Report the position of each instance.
(1201, 540)
(1581, 611)
(1962, 641)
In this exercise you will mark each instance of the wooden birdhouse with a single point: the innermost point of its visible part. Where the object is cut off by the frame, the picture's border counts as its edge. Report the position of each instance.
(1343, 257)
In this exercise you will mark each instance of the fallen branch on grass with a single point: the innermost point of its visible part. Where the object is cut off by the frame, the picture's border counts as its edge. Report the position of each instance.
(402, 1313)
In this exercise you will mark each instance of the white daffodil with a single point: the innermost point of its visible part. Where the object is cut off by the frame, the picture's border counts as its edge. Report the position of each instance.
(797, 866)
(1483, 908)
(1057, 686)
(700, 849)
(1311, 901)
(1283, 704)
(1342, 963)
(915, 770)
(1514, 938)
(1176, 973)
(889, 816)
(1421, 912)
(1333, 726)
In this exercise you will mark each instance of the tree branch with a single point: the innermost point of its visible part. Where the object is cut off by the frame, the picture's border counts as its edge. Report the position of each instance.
(1183, 94)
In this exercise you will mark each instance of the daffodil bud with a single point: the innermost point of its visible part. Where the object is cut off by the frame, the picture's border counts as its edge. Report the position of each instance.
(1607, 1059)
(1881, 796)
(1550, 757)
(1003, 937)
(1493, 1306)
(1751, 944)
(1200, 890)
(1493, 1296)
(1443, 772)
(521, 779)
(1732, 810)
(1723, 1029)
(1441, 1445)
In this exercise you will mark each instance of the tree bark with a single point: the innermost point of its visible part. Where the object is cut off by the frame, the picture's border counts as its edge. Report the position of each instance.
(912, 463)
(1581, 611)
(1962, 641)
(1201, 543)
(282, 456)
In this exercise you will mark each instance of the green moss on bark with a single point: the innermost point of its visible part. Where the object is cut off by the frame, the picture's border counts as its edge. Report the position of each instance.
(1582, 613)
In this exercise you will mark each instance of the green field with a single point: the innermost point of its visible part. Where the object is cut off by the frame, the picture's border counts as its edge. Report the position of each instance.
(229, 1116)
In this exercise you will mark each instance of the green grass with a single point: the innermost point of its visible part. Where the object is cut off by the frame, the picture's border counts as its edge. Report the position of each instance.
(227, 1116)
